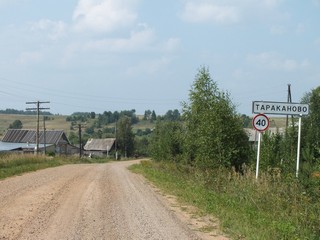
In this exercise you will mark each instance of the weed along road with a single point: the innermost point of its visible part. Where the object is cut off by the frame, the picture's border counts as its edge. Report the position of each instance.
(87, 201)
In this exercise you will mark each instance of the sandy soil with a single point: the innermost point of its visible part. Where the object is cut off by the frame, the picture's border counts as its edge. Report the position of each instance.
(96, 201)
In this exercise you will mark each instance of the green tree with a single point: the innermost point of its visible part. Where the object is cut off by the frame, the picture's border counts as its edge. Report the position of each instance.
(125, 136)
(147, 115)
(310, 145)
(89, 130)
(141, 146)
(166, 141)
(153, 116)
(311, 125)
(73, 138)
(214, 133)
(172, 115)
(246, 121)
(271, 151)
(17, 124)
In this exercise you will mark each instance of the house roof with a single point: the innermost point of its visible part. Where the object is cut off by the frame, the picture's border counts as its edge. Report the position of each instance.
(99, 144)
(29, 136)
(7, 146)
(253, 134)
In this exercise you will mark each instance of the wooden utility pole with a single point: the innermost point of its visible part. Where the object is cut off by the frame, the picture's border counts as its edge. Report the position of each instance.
(37, 108)
(80, 126)
(115, 142)
(44, 134)
(80, 141)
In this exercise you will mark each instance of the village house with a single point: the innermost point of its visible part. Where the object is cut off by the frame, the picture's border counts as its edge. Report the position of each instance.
(99, 147)
(22, 140)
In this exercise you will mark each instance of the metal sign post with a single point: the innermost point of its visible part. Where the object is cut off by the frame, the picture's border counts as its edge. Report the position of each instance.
(261, 123)
(298, 150)
(258, 154)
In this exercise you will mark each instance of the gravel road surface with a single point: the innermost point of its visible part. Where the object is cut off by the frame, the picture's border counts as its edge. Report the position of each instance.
(89, 201)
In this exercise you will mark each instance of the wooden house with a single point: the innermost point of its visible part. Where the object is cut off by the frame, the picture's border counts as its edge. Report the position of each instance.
(23, 140)
(99, 147)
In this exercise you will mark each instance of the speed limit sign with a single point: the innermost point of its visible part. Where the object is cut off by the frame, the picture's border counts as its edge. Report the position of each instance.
(260, 122)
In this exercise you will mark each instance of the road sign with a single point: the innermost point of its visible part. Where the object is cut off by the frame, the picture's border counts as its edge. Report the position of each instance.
(260, 122)
(280, 108)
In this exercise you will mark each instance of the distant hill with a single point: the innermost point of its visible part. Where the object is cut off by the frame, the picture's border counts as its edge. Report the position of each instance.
(23, 112)
(53, 122)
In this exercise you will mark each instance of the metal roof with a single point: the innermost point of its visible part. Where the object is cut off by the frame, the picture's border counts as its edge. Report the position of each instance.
(99, 144)
(29, 136)
(253, 134)
(7, 146)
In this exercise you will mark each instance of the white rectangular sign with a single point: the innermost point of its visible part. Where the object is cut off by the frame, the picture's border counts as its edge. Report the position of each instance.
(281, 108)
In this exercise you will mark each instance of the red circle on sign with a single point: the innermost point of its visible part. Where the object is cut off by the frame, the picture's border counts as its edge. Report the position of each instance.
(261, 122)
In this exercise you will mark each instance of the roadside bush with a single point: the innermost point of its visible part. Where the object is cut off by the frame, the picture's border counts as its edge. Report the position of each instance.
(271, 208)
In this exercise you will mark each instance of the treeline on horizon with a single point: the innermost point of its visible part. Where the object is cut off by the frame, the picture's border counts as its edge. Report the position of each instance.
(106, 117)
(23, 112)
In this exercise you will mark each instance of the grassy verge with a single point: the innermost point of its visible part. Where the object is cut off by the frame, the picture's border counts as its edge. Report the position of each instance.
(271, 208)
(15, 164)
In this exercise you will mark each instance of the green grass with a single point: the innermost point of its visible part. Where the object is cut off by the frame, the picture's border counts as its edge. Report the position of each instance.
(143, 124)
(55, 122)
(16, 164)
(247, 209)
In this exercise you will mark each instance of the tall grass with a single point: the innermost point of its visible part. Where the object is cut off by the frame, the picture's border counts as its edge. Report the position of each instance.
(15, 164)
(272, 207)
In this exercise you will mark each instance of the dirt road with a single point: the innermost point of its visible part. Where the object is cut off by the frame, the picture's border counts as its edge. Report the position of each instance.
(96, 201)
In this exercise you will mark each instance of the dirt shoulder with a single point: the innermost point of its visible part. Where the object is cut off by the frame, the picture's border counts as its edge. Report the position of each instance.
(96, 201)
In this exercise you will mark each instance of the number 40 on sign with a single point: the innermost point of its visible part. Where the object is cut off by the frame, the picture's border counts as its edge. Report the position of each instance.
(261, 122)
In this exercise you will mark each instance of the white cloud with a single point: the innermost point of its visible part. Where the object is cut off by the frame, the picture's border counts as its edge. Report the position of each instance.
(172, 44)
(141, 40)
(240, 73)
(104, 15)
(275, 61)
(137, 41)
(53, 29)
(149, 67)
(282, 29)
(29, 57)
(9, 3)
(198, 12)
(230, 11)
(270, 3)
(278, 30)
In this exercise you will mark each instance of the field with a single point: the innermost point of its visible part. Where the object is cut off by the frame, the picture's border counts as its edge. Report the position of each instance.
(58, 122)
(55, 122)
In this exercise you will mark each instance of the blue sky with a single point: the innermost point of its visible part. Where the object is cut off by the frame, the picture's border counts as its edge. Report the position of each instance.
(108, 55)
